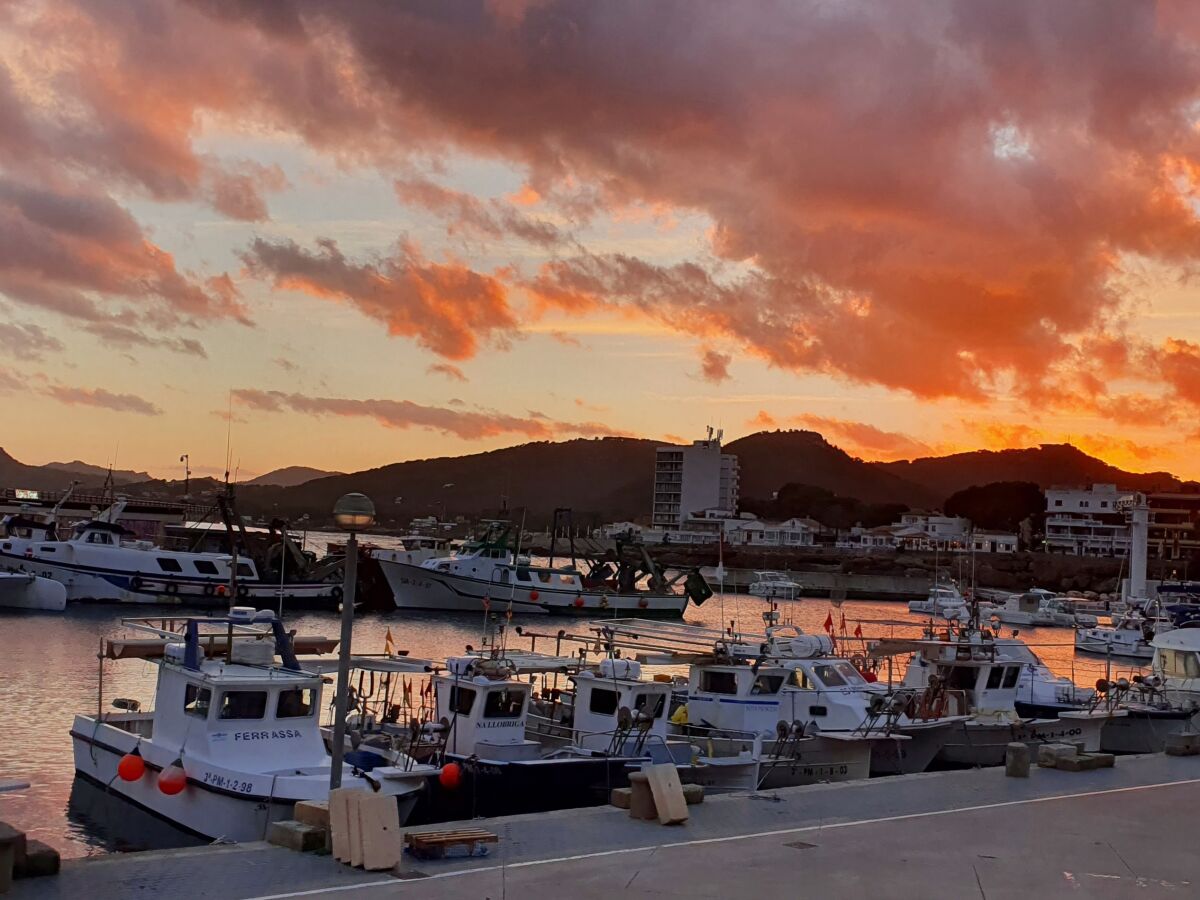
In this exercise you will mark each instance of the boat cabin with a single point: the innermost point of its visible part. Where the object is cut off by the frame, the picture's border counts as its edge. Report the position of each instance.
(484, 562)
(614, 707)
(977, 678)
(484, 709)
(1177, 660)
(734, 698)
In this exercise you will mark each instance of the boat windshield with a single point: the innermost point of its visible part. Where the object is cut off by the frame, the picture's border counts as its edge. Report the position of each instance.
(838, 674)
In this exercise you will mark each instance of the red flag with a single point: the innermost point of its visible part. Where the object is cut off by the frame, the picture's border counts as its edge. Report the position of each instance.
(858, 630)
(843, 622)
(829, 622)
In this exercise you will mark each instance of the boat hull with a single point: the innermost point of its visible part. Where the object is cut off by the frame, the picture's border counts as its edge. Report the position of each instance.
(415, 587)
(908, 757)
(1089, 643)
(978, 743)
(813, 760)
(90, 584)
(235, 810)
(1143, 731)
(29, 592)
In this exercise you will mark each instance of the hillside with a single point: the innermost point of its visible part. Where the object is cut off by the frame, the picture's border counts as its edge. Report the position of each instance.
(53, 477)
(89, 474)
(1045, 466)
(770, 459)
(290, 476)
(600, 479)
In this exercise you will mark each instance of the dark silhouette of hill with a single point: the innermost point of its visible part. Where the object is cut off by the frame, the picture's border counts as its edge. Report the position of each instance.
(1048, 465)
(290, 476)
(770, 459)
(57, 476)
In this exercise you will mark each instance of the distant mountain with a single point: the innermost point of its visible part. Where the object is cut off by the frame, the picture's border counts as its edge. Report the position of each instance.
(1046, 466)
(53, 477)
(770, 459)
(600, 479)
(89, 474)
(290, 476)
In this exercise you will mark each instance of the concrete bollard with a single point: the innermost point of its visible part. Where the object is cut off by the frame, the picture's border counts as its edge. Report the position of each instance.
(1016, 760)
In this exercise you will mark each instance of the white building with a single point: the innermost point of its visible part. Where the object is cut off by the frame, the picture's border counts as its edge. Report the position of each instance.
(690, 479)
(921, 531)
(757, 533)
(1085, 521)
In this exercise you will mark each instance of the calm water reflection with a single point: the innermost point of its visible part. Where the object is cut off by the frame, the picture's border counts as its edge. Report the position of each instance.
(48, 673)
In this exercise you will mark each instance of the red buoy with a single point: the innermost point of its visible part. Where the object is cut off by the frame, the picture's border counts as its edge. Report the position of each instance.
(533, 595)
(172, 779)
(221, 591)
(450, 776)
(132, 766)
(579, 601)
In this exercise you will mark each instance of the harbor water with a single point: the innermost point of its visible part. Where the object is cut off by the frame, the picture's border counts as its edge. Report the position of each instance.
(51, 673)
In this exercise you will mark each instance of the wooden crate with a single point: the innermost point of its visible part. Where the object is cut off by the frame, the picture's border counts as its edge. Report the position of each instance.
(434, 844)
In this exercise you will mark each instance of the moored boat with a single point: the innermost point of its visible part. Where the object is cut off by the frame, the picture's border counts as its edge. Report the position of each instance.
(233, 741)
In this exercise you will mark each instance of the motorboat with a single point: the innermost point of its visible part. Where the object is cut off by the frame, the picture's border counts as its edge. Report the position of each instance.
(1041, 693)
(487, 573)
(966, 670)
(416, 549)
(944, 600)
(476, 715)
(103, 561)
(1130, 637)
(774, 586)
(1150, 715)
(1041, 608)
(233, 741)
(30, 592)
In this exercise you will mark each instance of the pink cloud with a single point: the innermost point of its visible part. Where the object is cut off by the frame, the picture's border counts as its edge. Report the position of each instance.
(77, 396)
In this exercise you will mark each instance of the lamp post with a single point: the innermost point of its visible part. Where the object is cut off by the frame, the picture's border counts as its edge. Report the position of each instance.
(352, 513)
(187, 475)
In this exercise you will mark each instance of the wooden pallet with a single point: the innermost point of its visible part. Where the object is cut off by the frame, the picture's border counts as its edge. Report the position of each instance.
(433, 844)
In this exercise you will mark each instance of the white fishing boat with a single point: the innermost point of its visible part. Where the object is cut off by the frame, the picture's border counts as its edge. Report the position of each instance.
(29, 592)
(417, 549)
(1130, 637)
(103, 561)
(774, 586)
(232, 743)
(1040, 608)
(967, 672)
(944, 600)
(487, 574)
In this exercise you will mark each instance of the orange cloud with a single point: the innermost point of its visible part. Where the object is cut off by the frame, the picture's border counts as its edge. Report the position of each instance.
(465, 424)
(714, 365)
(454, 373)
(448, 308)
(78, 396)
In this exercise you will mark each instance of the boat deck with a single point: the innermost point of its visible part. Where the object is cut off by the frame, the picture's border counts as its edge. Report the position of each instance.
(1119, 832)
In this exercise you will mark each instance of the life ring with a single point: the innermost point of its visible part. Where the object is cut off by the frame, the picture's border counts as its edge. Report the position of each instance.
(171, 588)
(336, 592)
(135, 583)
(208, 590)
(243, 591)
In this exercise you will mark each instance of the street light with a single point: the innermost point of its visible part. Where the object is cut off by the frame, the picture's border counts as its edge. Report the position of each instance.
(187, 475)
(352, 513)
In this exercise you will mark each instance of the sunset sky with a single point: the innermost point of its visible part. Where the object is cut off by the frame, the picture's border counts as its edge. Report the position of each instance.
(383, 231)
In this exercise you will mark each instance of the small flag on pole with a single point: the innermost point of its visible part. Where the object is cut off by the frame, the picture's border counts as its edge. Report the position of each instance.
(843, 621)
(858, 629)
(389, 643)
(829, 623)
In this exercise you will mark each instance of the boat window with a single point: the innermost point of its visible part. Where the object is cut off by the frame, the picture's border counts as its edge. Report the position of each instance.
(800, 680)
(958, 678)
(505, 704)
(503, 576)
(169, 565)
(829, 676)
(994, 677)
(204, 567)
(1011, 674)
(197, 700)
(603, 702)
(767, 684)
(461, 700)
(652, 705)
(98, 537)
(718, 682)
(245, 571)
(544, 577)
(522, 574)
(295, 703)
(48, 549)
(8, 546)
(243, 705)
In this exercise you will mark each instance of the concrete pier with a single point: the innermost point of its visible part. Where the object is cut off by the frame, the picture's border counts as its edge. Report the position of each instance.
(1120, 832)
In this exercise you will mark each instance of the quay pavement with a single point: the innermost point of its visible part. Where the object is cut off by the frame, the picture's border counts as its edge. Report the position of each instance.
(1128, 831)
